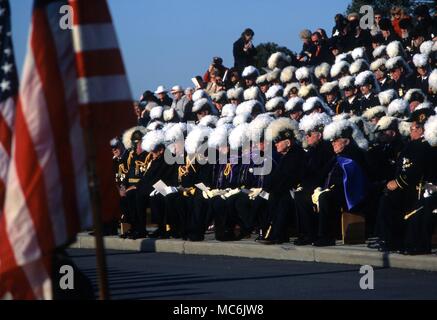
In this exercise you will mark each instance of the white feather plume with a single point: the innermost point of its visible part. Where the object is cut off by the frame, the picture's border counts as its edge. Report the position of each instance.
(275, 91)
(431, 131)
(196, 138)
(328, 87)
(238, 136)
(287, 74)
(314, 120)
(127, 135)
(293, 103)
(152, 140)
(337, 68)
(278, 60)
(387, 96)
(426, 47)
(258, 126)
(380, 52)
(322, 70)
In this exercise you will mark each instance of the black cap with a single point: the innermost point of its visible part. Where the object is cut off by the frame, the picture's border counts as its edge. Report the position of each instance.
(346, 133)
(417, 96)
(137, 136)
(284, 135)
(147, 95)
(421, 116)
(115, 143)
(393, 125)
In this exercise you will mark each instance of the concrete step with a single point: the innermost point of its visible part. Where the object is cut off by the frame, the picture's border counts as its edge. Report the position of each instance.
(248, 248)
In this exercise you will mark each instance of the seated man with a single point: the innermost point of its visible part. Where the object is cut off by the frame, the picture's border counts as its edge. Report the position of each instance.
(286, 176)
(318, 156)
(345, 182)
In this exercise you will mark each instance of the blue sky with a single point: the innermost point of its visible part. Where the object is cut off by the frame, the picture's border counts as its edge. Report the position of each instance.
(168, 41)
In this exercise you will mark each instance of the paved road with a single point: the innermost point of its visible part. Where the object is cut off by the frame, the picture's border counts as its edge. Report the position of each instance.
(172, 276)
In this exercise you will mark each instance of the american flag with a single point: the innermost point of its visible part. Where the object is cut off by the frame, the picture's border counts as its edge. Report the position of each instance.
(73, 81)
(8, 93)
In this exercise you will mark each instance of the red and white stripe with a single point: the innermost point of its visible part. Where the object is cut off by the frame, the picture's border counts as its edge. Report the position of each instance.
(71, 81)
(7, 115)
(103, 88)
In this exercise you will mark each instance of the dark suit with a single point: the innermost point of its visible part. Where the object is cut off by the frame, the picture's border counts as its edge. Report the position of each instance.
(243, 58)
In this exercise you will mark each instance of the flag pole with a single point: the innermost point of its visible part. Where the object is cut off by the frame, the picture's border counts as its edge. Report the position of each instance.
(97, 217)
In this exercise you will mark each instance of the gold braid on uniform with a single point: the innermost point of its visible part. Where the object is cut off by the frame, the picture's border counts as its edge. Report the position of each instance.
(228, 169)
(143, 166)
(183, 170)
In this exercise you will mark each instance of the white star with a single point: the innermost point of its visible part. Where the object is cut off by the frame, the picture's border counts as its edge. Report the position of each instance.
(5, 85)
(7, 67)
(8, 51)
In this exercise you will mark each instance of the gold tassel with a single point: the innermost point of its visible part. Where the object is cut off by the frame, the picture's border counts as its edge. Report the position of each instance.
(412, 213)
(228, 169)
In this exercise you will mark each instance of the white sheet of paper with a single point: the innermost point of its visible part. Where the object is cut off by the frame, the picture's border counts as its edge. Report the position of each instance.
(202, 187)
(160, 187)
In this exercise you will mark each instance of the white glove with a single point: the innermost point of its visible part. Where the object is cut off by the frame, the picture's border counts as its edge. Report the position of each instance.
(316, 195)
(264, 195)
(254, 193)
(230, 193)
(154, 193)
(170, 190)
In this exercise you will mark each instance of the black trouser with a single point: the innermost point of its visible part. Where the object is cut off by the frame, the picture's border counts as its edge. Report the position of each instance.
(245, 212)
(306, 217)
(223, 221)
(281, 210)
(370, 210)
(157, 207)
(124, 207)
(420, 226)
(260, 208)
(196, 214)
(131, 199)
(393, 206)
(329, 215)
(175, 213)
(142, 201)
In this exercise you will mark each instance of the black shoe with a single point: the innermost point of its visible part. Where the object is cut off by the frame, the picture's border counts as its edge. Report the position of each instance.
(383, 247)
(324, 242)
(138, 235)
(374, 245)
(126, 235)
(416, 252)
(155, 234)
(270, 241)
(302, 241)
